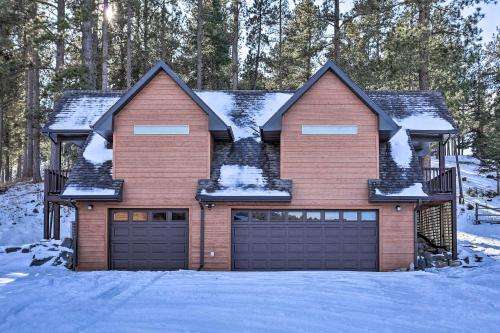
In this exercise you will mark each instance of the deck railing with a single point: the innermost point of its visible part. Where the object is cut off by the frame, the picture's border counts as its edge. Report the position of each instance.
(439, 182)
(55, 180)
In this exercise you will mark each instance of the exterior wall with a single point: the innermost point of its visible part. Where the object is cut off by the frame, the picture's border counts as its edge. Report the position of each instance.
(159, 171)
(328, 172)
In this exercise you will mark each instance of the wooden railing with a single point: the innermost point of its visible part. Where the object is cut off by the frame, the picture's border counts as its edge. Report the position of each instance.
(55, 180)
(439, 182)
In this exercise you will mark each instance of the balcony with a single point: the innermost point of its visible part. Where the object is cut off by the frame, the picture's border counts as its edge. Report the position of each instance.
(439, 181)
(55, 180)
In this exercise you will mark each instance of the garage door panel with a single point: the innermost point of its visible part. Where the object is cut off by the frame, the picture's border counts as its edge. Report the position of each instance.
(295, 245)
(148, 245)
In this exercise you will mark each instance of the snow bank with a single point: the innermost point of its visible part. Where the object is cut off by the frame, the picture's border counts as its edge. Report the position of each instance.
(400, 149)
(238, 175)
(96, 151)
(248, 192)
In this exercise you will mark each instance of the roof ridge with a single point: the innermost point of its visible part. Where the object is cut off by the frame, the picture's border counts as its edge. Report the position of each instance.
(93, 91)
(246, 90)
(404, 91)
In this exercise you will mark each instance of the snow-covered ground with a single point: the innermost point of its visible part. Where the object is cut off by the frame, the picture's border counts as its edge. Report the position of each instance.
(21, 215)
(440, 300)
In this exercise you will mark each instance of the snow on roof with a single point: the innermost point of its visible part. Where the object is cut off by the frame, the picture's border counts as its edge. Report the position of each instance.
(414, 190)
(241, 175)
(244, 111)
(401, 151)
(87, 191)
(416, 110)
(248, 192)
(96, 151)
(79, 110)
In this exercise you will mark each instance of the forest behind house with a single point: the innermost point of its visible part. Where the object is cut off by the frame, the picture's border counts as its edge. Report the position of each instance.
(49, 46)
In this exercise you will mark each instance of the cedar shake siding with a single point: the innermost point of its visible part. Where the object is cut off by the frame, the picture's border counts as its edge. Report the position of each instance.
(159, 171)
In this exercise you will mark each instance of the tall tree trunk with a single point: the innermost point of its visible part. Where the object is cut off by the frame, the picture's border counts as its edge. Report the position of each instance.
(424, 12)
(19, 170)
(280, 45)
(2, 139)
(36, 117)
(87, 25)
(199, 46)
(105, 46)
(234, 46)
(257, 54)
(145, 35)
(336, 32)
(129, 45)
(61, 27)
(27, 169)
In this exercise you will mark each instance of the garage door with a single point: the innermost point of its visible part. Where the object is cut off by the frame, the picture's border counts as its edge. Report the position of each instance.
(304, 240)
(149, 239)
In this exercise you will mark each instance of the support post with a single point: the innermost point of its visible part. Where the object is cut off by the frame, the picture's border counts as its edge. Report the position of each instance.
(55, 164)
(46, 227)
(454, 214)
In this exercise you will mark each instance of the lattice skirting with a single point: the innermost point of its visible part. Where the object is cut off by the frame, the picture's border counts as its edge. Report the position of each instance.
(436, 223)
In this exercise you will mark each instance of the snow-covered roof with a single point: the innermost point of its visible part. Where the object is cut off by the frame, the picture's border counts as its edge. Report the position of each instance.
(78, 110)
(91, 176)
(416, 110)
(244, 110)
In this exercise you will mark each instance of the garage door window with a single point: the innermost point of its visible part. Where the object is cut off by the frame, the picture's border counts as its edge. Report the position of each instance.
(159, 216)
(295, 216)
(368, 216)
(277, 215)
(120, 216)
(259, 215)
(139, 216)
(350, 216)
(332, 216)
(178, 216)
(313, 216)
(241, 216)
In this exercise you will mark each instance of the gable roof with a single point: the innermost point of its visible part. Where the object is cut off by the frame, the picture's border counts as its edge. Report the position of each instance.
(417, 111)
(386, 123)
(104, 125)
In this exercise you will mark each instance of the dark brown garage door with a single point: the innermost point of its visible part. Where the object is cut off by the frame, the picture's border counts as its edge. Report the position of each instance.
(304, 240)
(149, 239)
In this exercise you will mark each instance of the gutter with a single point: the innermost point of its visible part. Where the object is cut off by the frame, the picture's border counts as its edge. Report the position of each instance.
(75, 240)
(415, 232)
(202, 235)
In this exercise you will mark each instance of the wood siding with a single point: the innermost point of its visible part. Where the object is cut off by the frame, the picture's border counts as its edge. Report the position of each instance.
(160, 171)
(328, 172)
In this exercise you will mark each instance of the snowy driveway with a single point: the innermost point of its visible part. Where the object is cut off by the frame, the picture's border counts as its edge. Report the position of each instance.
(57, 300)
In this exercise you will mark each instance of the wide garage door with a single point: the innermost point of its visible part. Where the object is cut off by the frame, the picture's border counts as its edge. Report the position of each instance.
(149, 239)
(304, 240)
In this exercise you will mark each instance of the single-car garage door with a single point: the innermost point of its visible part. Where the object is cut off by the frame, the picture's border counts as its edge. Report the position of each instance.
(304, 239)
(149, 239)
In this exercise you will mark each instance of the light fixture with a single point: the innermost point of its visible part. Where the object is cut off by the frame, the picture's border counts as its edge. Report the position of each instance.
(398, 208)
(210, 205)
(90, 207)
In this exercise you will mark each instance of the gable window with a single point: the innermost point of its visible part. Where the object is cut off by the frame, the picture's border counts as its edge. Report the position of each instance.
(329, 129)
(161, 129)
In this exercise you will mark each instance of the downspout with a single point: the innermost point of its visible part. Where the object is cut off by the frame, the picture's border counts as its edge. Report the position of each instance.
(415, 233)
(75, 240)
(202, 235)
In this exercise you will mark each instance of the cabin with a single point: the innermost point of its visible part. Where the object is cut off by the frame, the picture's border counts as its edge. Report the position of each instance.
(327, 177)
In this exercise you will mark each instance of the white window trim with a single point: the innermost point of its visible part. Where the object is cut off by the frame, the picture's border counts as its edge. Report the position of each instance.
(161, 129)
(329, 129)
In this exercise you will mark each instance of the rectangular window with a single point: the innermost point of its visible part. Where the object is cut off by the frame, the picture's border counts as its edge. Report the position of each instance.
(332, 215)
(120, 216)
(329, 129)
(295, 216)
(178, 216)
(140, 216)
(277, 215)
(241, 215)
(159, 216)
(368, 216)
(350, 216)
(259, 215)
(312, 216)
(161, 129)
